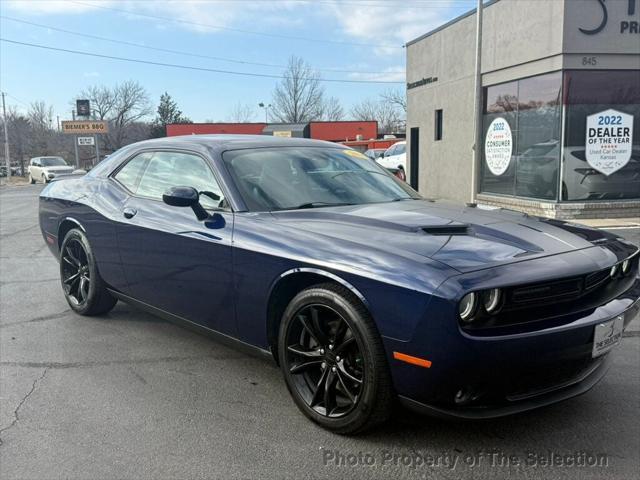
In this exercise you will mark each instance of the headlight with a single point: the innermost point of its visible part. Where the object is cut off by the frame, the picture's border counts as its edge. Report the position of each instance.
(626, 266)
(492, 299)
(468, 307)
(614, 271)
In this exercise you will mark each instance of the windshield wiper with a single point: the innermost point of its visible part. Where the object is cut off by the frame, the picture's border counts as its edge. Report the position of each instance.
(319, 204)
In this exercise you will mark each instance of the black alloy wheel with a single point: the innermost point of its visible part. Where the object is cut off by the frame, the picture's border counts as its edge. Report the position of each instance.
(84, 289)
(324, 358)
(333, 361)
(76, 276)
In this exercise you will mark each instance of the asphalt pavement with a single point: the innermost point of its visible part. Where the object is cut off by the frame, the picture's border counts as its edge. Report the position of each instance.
(128, 395)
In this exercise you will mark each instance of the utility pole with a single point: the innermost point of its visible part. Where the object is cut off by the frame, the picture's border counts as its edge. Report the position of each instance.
(477, 114)
(95, 140)
(6, 139)
(75, 140)
(266, 111)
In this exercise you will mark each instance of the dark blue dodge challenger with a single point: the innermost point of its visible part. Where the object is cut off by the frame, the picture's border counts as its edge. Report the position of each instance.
(361, 290)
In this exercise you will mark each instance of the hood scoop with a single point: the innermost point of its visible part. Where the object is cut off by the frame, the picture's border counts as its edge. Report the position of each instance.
(448, 230)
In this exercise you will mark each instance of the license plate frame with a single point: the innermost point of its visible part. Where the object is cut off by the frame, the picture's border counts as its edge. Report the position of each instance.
(606, 335)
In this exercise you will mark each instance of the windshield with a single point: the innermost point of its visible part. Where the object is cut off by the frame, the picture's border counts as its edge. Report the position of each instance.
(287, 178)
(53, 162)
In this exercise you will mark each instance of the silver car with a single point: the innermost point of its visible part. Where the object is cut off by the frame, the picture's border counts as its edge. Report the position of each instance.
(45, 169)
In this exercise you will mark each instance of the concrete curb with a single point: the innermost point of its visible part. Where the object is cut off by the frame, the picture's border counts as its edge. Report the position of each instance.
(610, 222)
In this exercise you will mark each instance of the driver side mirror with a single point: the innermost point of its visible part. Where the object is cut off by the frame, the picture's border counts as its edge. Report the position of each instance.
(185, 197)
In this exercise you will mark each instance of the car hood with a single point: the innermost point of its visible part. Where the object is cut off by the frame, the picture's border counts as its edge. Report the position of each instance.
(59, 169)
(464, 238)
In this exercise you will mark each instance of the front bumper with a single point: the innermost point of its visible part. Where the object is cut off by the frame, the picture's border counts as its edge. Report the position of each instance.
(572, 388)
(501, 376)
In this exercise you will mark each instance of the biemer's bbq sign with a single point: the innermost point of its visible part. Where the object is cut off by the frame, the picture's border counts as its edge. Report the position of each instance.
(88, 126)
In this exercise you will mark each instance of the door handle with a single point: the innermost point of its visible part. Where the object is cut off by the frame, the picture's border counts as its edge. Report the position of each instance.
(129, 212)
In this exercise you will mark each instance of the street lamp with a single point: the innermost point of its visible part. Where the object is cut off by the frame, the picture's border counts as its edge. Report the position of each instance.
(266, 111)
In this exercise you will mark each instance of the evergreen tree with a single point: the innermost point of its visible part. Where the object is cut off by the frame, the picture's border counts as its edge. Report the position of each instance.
(168, 112)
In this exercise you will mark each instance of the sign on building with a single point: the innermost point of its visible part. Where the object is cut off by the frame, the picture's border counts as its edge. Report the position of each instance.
(84, 126)
(498, 146)
(282, 133)
(609, 140)
(83, 108)
(86, 141)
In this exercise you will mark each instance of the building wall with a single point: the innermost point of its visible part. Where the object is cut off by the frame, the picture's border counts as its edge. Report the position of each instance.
(214, 128)
(445, 166)
(520, 38)
(343, 131)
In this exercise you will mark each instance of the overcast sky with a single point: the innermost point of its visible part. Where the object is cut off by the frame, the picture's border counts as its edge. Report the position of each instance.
(357, 35)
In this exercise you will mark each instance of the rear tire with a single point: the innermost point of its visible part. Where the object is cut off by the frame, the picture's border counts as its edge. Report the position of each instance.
(31, 179)
(333, 360)
(84, 289)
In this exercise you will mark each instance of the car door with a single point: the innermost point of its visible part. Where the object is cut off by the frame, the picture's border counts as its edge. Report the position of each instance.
(172, 260)
(35, 169)
(387, 160)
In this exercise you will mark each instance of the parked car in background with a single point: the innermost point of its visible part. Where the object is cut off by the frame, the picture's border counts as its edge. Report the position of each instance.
(537, 174)
(358, 287)
(374, 153)
(45, 169)
(395, 159)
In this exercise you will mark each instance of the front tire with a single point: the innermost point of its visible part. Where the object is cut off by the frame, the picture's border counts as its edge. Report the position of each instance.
(333, 361)
(83, 288)
(44, 179)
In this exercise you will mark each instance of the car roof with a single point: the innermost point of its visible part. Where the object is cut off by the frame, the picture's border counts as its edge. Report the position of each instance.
(232, 142)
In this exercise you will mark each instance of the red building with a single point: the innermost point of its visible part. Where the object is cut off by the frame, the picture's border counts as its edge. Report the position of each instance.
(343, 131)
(331, 131)
(176, 129)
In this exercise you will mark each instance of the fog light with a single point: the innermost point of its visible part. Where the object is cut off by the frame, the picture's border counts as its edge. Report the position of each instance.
(465, 396)
(626, 266)
(614, 271)
(468, 307)
(492, 299)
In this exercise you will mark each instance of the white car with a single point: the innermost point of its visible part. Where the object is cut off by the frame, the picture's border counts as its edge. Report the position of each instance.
(45, 169)
(395, 157)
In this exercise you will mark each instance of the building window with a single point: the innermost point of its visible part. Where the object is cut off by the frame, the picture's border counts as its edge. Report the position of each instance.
(612, 172)
(521, 140)
(438, 125)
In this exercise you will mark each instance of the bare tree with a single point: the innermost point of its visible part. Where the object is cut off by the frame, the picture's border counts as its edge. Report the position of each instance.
(19, 130)
(41, 119)
(299, 96)
(131, 106)
(395, 97)
(330, 110)
(102, 100)
(388, 116)
(124, 105)
(40, 115)
(242, 113)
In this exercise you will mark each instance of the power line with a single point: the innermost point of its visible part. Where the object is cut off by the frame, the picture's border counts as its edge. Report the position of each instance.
(177, 52)
(18, 100)
(237, 30)
(188, 67)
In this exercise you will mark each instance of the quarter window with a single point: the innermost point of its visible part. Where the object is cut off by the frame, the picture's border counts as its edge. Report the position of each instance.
(130, 174)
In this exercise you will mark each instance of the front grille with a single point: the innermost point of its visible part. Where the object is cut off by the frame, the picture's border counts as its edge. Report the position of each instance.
(545, 380)
(552, 303)
(594, 280)
(547, 292)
